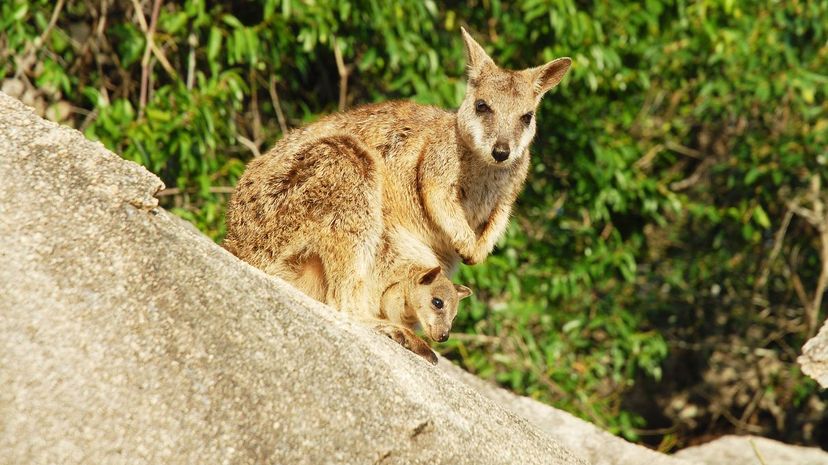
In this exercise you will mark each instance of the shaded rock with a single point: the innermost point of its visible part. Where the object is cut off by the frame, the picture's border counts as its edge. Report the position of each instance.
(814, 358)
(127, 337)
(597, 446)
(753, 450)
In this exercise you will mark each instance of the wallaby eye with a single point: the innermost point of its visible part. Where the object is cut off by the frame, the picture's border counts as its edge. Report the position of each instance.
(481, 107)
(527, 118)
(437, 302)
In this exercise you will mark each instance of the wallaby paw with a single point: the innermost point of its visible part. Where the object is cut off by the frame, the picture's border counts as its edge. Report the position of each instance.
(474, 258)
(409, 340)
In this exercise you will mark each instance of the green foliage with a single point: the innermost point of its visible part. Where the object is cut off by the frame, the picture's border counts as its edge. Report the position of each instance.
(663, 171)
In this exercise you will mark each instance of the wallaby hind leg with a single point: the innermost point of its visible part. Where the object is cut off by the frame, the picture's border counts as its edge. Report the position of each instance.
(344, 201)
(349, 265)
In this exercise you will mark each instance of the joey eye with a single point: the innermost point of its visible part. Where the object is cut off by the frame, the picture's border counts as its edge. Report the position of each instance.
(437, 302)
(527, 118)
(481, 107)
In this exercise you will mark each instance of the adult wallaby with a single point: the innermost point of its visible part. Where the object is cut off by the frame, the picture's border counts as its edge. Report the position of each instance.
(438, 185)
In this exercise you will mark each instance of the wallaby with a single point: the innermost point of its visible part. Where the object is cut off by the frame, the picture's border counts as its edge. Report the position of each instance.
(426, 298)
(320, 202)
(315, 220)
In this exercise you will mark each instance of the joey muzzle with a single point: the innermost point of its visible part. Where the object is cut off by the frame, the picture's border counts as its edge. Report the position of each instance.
(438, 335)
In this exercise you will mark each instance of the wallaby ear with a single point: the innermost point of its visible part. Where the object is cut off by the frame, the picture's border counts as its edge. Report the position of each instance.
(462, 291)
(429, 276)
(549, 75)
(476, 57)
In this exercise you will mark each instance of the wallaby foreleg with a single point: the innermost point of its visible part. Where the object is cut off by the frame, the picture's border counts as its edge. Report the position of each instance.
(404, 337)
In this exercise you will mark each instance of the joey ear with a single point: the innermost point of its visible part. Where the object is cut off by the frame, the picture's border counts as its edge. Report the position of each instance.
(476, 57)
(462, 291)
(549, 75)
(429, 276)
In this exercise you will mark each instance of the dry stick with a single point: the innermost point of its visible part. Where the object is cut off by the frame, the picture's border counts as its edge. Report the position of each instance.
(813, 316)
(799, 288)
(253, 146)
(52, 21)
(102, 22)
(822, 281)
(277, 105)
(254, 107)
(694, 178)
(192, 40)
(686, 151)
(343, 74)
(139, 15)
(779, 238)
(28, 59)
(145, 60)
(818, 218)
(177, 191)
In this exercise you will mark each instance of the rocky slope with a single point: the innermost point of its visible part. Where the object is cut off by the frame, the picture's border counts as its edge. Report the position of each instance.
(128, 337)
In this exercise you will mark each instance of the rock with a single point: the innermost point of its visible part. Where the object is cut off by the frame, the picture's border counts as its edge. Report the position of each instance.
(598, 447)
(814, 358)
(753, 450)
(127, 337)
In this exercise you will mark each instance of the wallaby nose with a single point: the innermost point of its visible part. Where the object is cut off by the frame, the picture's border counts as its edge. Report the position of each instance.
(443, 337)
(500, 153)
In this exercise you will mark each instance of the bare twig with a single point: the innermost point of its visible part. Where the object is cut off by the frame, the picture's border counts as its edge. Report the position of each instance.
(481, 339)
(693, 178)
(343, 74)
(177, 191)
(29, 58)
(253, 146)
(254, 108)
(818, 218)
(657, 431)
(277, 105)
(686, 151)
(145, 60)
(99, 30)
(645, 161)
(52, 21)
(755, 429)
(139, 14)
(778, 240)
(192, 40)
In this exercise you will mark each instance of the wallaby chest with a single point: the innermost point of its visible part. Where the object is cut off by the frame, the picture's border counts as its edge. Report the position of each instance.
(479, 194)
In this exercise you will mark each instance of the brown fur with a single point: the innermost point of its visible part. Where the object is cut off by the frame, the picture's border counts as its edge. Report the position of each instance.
(422, 180)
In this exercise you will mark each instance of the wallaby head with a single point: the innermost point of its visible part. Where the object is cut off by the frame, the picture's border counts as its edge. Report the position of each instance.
(496, 120)
(434, 298)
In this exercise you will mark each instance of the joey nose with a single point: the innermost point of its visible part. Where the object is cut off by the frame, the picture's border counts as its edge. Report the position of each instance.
(443, 337)
(500, 153)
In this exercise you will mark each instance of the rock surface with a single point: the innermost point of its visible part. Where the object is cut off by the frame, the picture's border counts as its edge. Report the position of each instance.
(753, 450)
(597, 446)
(814, 358)
(127, 337)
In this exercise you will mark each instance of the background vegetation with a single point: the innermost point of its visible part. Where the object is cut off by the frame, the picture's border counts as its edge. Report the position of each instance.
(669, 255)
